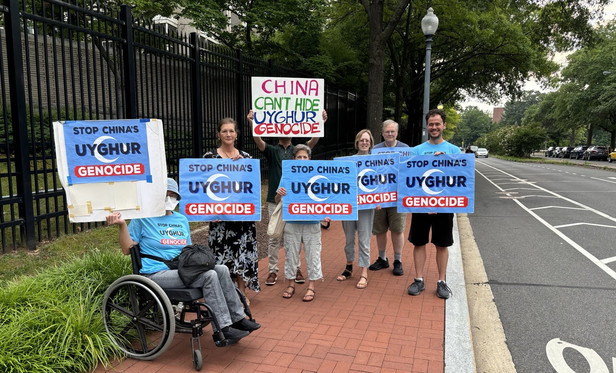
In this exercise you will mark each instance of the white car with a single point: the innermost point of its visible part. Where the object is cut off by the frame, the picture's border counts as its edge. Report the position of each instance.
(481, 152)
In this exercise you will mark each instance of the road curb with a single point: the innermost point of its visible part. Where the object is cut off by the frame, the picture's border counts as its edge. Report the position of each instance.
(459, 357)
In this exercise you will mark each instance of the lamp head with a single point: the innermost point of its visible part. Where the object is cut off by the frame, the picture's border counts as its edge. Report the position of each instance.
(429, 23)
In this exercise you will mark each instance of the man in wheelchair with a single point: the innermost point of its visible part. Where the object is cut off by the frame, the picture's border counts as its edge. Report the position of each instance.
(164, 237)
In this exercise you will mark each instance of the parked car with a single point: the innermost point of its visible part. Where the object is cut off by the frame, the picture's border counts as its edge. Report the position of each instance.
(595, 152)
(577, 152)
(611, 157)
(481, 152)
(548, 152)
(565, 151)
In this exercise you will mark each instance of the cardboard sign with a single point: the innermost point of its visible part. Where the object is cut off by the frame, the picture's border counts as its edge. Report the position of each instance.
(319, 189)
(288, 107)
(112, 165)
(220, 189)
(377, 179)
(442, 183)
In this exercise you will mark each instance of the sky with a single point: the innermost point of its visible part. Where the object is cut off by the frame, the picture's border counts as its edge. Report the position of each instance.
(610, 13)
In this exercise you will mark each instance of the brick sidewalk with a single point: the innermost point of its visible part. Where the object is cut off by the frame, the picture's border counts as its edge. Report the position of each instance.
(378, 329)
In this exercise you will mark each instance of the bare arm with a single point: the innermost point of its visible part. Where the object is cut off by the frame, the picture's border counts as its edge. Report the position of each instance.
(313, 141)
(126, 242)
(259, 141)
(279, 193)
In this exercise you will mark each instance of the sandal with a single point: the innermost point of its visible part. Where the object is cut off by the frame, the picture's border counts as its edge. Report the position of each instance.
(348, 272)
(309, 297)
(362, 285)
(288, 294)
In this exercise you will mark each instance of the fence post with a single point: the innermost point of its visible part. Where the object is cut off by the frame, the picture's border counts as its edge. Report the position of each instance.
(240, 114)
(130, 70)
(195, 93)
(20, 121)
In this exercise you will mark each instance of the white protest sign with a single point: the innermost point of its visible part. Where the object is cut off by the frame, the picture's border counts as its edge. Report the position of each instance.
(288, 107)
(112, 165)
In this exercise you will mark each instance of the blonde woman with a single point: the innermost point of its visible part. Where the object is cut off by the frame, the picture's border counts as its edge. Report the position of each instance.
(363, 225)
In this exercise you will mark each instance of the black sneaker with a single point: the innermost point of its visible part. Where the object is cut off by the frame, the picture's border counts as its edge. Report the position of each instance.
(233, 335)
(398, 271)
(246, 325)
(379, 264)
(417, 287)
(442, 290)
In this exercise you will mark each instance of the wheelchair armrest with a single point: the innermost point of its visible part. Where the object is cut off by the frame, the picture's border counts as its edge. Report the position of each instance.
(135, 258)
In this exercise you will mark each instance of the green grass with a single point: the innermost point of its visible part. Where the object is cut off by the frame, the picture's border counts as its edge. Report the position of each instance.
(51, 321)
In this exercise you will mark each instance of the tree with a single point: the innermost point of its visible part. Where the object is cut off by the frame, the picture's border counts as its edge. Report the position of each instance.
(380, 31)
(473, 124)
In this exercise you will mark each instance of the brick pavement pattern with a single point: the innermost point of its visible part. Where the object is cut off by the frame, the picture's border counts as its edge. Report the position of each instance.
(345, 329)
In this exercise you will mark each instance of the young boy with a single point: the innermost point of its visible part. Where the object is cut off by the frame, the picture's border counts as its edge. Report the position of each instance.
(296, 232)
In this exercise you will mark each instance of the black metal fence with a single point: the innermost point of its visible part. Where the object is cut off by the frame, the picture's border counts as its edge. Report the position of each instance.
(79, 61)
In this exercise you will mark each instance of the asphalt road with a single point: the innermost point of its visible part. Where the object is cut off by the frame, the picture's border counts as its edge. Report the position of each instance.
(547, 237)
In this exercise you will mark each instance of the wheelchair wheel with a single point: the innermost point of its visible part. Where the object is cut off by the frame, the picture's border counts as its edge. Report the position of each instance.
(197, 360)
(138, 316)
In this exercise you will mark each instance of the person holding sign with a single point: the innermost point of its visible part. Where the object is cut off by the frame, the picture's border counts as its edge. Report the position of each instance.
(164, 237)
(363, 225)
(389, 217)
(275, 154)
(296, 232)
(441, 223)
(235, 243)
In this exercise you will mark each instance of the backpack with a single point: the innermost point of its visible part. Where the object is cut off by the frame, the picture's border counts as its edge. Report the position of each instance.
(193, 261)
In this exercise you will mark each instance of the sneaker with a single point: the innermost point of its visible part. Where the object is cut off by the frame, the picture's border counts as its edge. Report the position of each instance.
(417, 287)
(398, 271)
(299, 278)
(379, 264)
(246, 325)
(442, 290)
(271, 279)
(233, 335)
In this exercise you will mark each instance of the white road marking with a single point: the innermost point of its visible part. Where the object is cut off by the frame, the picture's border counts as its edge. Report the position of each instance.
(574, 244)
(591, 224)
(608, 260)
(557, 207)
(607, 181)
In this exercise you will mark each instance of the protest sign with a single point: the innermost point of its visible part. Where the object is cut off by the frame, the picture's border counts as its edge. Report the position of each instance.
(405, 152)
(443, 183)
(220, 189)
(377, 179)
(319, 189)
(112, 165)
(288, 107)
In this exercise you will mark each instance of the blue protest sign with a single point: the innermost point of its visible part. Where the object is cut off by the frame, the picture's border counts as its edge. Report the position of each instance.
(220, 189)
(319, 189)
(405, 152)
(377, 179)
(99, 151)
(442, 183)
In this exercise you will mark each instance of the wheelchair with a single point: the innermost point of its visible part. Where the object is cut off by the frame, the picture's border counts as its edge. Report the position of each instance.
(142, 318)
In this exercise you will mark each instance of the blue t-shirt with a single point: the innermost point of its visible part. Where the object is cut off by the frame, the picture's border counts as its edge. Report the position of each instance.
(162, 236)
(427, 148)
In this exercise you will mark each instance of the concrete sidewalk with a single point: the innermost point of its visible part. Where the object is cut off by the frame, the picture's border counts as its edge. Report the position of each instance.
(378, 329)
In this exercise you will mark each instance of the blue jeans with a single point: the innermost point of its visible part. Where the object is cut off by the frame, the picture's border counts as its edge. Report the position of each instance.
(218, 292)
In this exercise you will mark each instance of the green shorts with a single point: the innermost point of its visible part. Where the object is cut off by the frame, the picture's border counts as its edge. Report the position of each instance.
(388, 217)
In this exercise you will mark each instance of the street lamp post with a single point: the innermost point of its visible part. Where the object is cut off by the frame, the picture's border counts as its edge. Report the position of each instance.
(429, 24)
